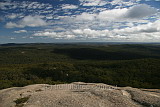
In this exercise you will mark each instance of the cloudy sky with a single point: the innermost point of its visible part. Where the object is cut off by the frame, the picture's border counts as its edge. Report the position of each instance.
(79, 21)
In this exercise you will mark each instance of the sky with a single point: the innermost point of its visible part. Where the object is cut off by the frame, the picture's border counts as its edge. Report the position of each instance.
(51, 21)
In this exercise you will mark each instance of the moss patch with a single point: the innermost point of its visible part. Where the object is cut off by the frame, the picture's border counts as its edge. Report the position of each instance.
(20, 101)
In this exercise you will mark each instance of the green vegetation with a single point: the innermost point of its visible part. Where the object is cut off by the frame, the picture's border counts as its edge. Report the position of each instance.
(123, 65)
(20, 102)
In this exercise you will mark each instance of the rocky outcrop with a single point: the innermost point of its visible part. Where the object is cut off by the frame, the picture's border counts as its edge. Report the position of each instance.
(78, 94)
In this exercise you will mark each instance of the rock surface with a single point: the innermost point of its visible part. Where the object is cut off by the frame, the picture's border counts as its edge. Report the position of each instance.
(79, 94)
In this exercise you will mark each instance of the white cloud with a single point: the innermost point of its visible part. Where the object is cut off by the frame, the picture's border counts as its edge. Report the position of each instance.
(75, 34)
(47, 34)
(12, 38)
(59, 35)
(123, 3)
(108, 18)
(85, 17)
(140, 11)
(90, 33)
(77, 31)
(117, 3)
(144, 32)
(144, 28)
(33, 21)
(12, 25)
(113, 14)
(69, 6)
(93, 2)
(136, 12)
(12, 16)
(20, 31)
(23, 5)
(7, 5)
(30, 21)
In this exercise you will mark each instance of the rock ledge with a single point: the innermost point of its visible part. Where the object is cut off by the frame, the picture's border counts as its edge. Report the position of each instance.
(79, 94)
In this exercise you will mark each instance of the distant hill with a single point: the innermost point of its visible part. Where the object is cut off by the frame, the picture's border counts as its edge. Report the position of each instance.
(11, 44)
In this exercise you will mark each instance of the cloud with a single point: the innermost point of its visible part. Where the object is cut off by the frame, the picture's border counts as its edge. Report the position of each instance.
(140, 11)
(33, 21)
(117, 3)
(90, 20)
(107, 18)
(93, 2)
(47, 34)
(36, 5)
(90, 33)
(30, 21)
(12, 25)
(144, 28)
(12, 38)
(59, 35)
(85, 17)
(6, 5)
(143, 32)
(69, 6)
(12, 16)
(135, 12)
(123, 3)
(20, 31)
(74, 34)
(113, 14)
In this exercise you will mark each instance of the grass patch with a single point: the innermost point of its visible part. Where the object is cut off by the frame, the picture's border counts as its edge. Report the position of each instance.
(20, 101)
(39, 90)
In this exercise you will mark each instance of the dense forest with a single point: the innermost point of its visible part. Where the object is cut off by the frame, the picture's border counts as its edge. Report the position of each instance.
(135, 65)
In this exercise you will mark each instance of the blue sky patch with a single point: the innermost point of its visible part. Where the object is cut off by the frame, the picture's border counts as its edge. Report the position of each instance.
(79, 21)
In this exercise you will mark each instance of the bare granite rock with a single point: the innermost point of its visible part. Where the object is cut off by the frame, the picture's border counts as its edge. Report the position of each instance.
(78, 94)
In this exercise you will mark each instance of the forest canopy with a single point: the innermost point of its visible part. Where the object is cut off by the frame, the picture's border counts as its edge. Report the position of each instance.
(135, 65)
